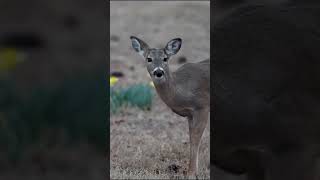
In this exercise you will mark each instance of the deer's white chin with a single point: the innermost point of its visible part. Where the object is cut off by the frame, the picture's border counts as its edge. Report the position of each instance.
(158, 80)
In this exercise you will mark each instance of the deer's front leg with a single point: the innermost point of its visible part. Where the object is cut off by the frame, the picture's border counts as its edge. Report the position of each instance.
(197, 124)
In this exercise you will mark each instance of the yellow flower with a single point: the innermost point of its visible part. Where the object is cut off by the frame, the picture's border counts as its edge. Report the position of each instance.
(113, 80)
(151, 84)
(9, 58)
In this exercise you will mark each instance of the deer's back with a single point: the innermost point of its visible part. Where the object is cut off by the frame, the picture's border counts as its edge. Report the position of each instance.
(193, 84)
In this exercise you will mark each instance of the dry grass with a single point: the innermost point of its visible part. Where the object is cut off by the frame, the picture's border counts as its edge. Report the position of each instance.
(79, 162)
(153, 144)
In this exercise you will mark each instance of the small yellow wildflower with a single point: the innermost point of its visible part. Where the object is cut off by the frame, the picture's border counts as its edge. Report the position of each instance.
(9, 58)
(113, 80)
(151, 84)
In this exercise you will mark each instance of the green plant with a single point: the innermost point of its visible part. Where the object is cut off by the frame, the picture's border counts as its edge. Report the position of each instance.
(139, 95)
(77, 109)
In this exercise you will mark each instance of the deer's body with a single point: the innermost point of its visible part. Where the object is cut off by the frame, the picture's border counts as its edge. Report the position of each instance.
(267, 92)
(186, 91)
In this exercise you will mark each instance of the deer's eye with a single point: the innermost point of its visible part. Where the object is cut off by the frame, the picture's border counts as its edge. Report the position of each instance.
(165, 59)
(149, 59)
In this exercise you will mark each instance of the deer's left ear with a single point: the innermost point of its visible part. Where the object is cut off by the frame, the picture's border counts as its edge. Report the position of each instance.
(173, 46)
(139, 46)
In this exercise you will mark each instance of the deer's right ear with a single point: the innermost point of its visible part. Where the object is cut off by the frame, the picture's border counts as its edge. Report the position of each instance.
(173, 46)
(139, 46)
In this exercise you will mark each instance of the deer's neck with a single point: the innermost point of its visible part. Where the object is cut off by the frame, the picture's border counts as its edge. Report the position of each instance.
(166, 90)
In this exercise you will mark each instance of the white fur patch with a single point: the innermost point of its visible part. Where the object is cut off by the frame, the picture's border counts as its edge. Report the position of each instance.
(155, 69)
(141, 52)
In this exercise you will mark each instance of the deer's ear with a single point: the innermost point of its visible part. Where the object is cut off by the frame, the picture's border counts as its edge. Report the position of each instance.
(139, 46)
(173, 46)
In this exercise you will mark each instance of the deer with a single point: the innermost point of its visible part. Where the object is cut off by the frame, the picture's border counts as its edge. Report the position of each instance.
(185, 91)
(266, 93)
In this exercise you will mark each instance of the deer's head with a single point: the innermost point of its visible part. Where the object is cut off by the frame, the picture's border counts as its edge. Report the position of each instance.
(157, 59)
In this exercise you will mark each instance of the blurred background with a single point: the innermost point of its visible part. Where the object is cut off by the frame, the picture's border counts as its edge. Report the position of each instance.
(53, 89)
(223, 8)
(148, 140)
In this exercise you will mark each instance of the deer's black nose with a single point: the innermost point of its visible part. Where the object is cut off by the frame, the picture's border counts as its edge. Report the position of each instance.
(158, 73)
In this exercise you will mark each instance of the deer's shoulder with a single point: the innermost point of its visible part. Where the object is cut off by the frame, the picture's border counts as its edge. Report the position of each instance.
(193, 72)
(193, 80)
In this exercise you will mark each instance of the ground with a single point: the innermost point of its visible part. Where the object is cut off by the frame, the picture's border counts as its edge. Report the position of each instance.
(155, 143)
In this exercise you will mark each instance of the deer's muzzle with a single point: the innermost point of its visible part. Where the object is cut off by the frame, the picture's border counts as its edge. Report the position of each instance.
(158, 72)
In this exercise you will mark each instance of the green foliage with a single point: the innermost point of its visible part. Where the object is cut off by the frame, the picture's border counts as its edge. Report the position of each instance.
(139, 95)
(75, 111)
